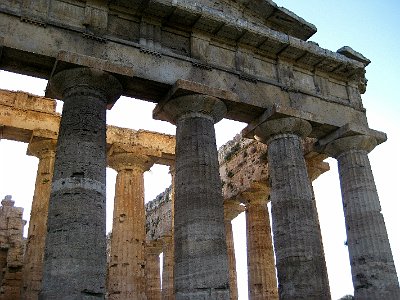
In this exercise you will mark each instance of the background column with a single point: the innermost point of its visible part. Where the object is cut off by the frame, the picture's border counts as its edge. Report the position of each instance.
(75, 252)
(231, 210)
(153, 280)
(260, 252)
(34, 252)
(201, 262)
(372, 267)
(168, 250)
(300, 259)
(126, 274)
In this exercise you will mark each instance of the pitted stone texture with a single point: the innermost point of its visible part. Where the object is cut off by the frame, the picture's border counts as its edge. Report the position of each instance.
(292, 125)
(11, 249)
(260, 253)
(194, 105)
(372, 267)
(169, 249)
(231, 210)
(85, 78)
(299, 252)
(75, 253)
(153, 280)
(33, 260)
(345, 144)
(168, 268)
(126, 272)
(201, 263)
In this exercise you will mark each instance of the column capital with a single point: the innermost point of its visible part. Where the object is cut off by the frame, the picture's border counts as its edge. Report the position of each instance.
(129, 161)
(287, 125)
(42, 147)
(356, 142)
(232, 209)
(193, 105)
(62, 82)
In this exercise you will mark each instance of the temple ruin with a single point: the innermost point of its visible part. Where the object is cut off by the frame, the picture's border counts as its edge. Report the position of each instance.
(199, 61)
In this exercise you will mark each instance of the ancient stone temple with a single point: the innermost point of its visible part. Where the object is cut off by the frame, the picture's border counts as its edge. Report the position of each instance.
(12, 247)
(199, 62)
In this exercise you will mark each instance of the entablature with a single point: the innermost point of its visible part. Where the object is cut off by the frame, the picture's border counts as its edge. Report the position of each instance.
(149, 53)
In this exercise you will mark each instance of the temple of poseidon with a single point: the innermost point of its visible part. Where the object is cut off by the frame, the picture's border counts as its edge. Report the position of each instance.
(199, 61)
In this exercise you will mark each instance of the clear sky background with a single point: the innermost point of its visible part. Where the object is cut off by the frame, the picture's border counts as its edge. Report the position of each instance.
(368, 26)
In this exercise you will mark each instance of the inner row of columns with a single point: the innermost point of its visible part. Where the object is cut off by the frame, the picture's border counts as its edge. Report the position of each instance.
(74, 264)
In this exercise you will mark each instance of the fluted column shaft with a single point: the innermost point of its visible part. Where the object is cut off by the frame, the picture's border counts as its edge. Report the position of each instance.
(372, 267)
(168, 267)
(260, 253)
(201, 262)
(168, 251)
(153, 280)
(232, 209)
(126, 274)
(231, 260)
(75, 252)
(33, 260)
(299, 252)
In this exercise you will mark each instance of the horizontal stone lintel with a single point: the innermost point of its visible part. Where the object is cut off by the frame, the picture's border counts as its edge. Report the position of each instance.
(23, 120)
(150, 78)
(278, 111)
(351, 130)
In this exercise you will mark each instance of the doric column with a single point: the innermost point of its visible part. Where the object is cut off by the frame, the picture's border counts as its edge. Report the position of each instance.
(126, 276)
(201, 263)
(153, 280)
(231, 210)
(168, 250)
(372, 267)
(300, 259)
(260, 253)
(33, 260)
(75, 252)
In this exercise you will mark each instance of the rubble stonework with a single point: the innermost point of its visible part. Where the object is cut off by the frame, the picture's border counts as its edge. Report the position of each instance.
(11, 249)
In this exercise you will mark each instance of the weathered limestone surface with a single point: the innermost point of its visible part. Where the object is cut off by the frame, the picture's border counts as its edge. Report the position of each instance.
(44, 149)
(299, 252)
(168, 249)
(153, 280)
(228, 45)
(372, 267)
(24, 115)
(11, 249)
(126, 273)
(244, 172)
(244, 168)
(201, 263)
(231, 210)
(75, 253)
(260, 252)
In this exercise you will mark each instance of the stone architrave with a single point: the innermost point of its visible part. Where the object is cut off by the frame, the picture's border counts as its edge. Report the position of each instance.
(371, 260)
(260, 253)
(300, 258)
(201, 262)
(231, 210)
(45, 150)
(168, 249)
(153, 280)
(75, 252)
(126, 272)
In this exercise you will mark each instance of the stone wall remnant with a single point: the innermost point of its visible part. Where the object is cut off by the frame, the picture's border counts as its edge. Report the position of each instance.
(11, 249)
